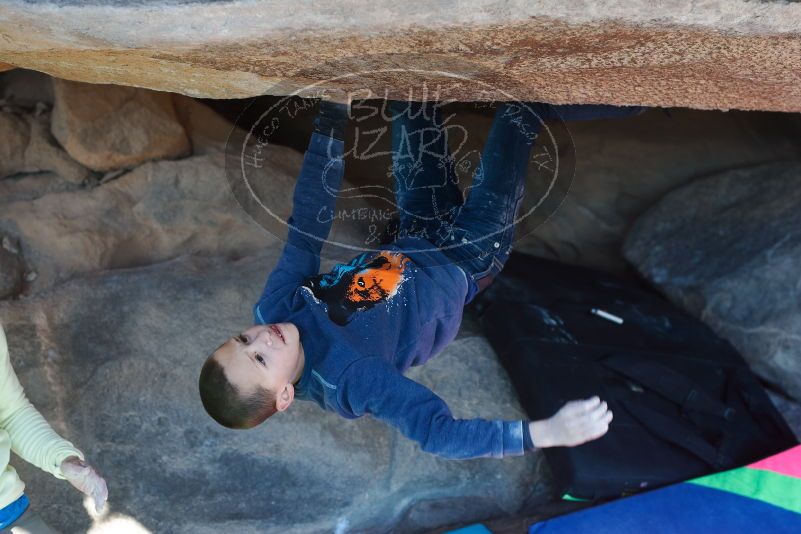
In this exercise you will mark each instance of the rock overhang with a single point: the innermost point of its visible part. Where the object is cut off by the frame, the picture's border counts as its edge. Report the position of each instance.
(725, 54)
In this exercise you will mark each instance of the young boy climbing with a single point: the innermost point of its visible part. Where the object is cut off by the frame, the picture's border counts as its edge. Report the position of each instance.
(343, 339)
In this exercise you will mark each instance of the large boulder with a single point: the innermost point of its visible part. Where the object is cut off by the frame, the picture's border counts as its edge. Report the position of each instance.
(107, 127)
(720, 54)
(728, 249)
(112, 360)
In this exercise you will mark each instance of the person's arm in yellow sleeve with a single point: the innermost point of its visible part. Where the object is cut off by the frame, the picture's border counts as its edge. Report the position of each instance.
(35, 441)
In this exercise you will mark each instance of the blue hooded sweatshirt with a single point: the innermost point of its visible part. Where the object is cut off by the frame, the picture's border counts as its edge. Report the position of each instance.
(364, 323)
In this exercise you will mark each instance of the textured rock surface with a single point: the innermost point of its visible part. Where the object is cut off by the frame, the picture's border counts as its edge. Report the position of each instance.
(207, 131)
(728, 249)
(158, 211)
(33, 186)
(112, 360)
(12, 269)
(27, 146)
(717, 54)
(108, 127)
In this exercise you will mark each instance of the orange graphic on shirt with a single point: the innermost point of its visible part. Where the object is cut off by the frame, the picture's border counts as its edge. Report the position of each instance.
(380, 280)
(366, 281)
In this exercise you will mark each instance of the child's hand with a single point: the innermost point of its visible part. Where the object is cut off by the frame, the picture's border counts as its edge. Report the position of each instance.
(86, 480)
(577, 422)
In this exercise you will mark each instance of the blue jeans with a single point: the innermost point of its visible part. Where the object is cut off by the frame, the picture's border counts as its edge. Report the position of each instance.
(475, 234)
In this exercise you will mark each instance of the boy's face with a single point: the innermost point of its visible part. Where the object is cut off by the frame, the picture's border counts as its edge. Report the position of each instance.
(268, 356)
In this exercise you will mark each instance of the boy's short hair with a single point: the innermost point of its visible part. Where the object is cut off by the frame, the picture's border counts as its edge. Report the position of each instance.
(224, 403)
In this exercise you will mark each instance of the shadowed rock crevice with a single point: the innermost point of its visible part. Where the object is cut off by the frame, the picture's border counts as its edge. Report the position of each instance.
(29, 147)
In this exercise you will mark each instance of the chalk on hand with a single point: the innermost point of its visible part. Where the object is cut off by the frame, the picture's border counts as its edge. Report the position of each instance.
(606, 315)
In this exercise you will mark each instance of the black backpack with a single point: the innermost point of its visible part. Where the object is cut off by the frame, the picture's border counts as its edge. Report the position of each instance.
(685, 403)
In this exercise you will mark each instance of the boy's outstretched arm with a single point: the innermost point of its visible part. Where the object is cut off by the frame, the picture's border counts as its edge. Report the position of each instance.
(314, 199)
(373, 386)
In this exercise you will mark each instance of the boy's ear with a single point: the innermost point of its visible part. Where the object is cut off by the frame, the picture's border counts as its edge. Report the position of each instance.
(285, 398)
